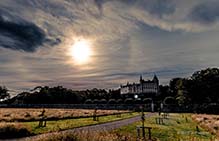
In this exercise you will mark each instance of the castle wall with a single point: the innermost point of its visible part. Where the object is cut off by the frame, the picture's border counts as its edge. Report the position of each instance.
(142, 87)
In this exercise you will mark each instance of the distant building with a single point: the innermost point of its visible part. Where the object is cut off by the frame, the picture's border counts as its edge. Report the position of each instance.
(144, 88)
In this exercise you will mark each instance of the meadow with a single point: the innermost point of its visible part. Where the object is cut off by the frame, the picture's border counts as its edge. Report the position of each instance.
(16, 122)
(177, 127)
(209, 122)
(33, 114)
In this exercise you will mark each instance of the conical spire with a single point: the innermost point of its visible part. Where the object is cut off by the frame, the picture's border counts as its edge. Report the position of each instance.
(141, 78)
(155, 78)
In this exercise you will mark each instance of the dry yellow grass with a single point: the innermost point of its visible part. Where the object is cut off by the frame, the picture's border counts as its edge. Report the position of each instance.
(31, 114)
(84, 136)
(208, 122)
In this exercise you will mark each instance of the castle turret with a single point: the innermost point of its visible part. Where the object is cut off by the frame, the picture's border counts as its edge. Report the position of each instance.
(155, 79)
(141, 79)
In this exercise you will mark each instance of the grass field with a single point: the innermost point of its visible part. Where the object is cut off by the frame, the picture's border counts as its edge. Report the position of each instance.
(85, 136)
(22, 122)
(178, 127)
(72, 123)
(59, 125)
(209, 122)
(31, 114)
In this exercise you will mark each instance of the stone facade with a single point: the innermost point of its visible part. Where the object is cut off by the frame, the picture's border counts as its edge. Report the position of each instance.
(143, 87)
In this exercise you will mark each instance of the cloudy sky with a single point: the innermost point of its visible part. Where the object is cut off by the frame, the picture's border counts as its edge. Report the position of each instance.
(126, 38)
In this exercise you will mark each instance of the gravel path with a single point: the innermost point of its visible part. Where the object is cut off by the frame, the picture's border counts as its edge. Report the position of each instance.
(99, 127)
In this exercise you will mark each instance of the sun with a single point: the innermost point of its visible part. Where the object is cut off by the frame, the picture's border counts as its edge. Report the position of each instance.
(81, 51)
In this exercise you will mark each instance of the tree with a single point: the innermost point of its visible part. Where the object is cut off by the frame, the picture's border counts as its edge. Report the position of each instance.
(4, 93)
(112, 101)
(88, 101)
(164, 92)
(147, 100)
(181, 98)
(129, 101)
(114, 94)
(169, 101)
(174, 86)
(204, 86)
(178, 89)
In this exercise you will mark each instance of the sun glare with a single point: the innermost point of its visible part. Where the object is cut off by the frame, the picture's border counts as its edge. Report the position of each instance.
(81, 51)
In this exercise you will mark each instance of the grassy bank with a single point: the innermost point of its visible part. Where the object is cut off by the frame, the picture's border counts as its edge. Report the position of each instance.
(60, 125)
(84, 136)
(33, 114)
(176, 127)
(209, 122)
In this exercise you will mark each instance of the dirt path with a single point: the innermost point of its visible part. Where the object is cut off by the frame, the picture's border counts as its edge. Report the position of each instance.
(99, 127)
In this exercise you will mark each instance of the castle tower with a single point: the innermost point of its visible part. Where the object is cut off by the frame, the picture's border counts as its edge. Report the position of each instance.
(155, 79)
(141, 79)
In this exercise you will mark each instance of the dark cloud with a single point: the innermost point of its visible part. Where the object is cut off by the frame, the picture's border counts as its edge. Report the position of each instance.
(154, 7)
(159, 7)
(18, 34)
(205, 13)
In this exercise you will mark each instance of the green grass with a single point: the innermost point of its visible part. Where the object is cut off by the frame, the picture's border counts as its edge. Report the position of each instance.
(59, 125)
(175, 128)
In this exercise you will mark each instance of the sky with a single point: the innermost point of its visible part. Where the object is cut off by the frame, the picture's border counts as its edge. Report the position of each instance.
(125, 38)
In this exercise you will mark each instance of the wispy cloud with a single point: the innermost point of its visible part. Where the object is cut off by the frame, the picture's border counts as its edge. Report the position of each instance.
(129, 38)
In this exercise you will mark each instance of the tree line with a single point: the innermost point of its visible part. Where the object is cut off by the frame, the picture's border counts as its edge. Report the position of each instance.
(201, 87)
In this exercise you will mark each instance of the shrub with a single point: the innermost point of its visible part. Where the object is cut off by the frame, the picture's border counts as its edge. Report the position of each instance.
(27, 115)
(58, 137)
(112, 101)
(88, 101)
(138, 101)
(102, 101)
(169, 100)
(147, 100)
(128, 101)
(85, 136)
(119, 101)
(95, 101)
(9, 131)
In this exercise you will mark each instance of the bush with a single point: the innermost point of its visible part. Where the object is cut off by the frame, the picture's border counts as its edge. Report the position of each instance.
(129, 101)
(59, 137)
(95, 101)
(169, 101)
(112, 101)
(102, 101)
(147, 100)
(85, 136)
(9, 131)
(119, 101)
(88, 101)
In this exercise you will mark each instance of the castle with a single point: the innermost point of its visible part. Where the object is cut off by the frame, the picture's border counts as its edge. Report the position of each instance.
(144, 88)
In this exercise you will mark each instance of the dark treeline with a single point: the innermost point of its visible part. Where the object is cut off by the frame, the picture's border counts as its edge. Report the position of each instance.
(201, 88)
(4, 93)
(61, 95)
